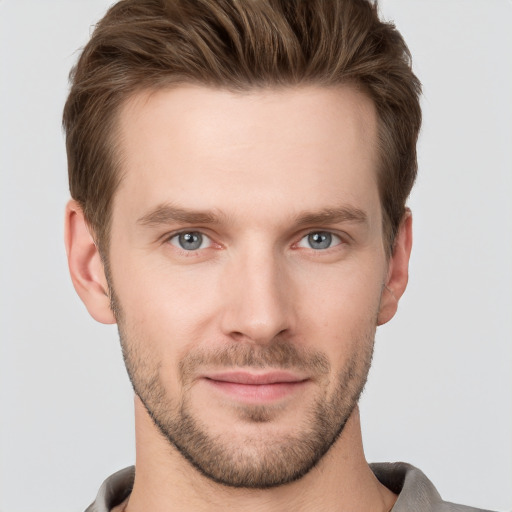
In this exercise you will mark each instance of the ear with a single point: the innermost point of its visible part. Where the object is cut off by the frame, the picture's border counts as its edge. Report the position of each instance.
(85, 265)
(398, 271)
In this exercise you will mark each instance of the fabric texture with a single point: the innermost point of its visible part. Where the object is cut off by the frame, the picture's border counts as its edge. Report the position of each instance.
(416, 493)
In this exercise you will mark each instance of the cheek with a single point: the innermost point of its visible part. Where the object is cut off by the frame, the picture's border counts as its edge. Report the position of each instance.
(349, 287)
(167, 309)
(341, 308)
(174, 310)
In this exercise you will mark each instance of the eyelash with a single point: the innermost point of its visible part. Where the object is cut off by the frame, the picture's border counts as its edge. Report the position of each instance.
(331, 236)
(175, 236)
(195, 251)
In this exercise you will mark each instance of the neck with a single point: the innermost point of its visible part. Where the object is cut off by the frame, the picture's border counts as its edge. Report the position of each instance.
(341, 481)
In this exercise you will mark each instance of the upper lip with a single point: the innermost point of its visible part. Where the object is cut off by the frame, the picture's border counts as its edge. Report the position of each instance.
(245, 377)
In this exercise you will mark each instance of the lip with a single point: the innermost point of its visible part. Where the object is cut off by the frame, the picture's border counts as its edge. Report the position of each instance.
(255, 387)
(256, 379)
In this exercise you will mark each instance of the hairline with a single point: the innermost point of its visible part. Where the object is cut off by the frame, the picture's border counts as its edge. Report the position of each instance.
(145, 92)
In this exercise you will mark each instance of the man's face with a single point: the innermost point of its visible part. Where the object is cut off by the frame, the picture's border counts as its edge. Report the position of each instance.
(247, 267)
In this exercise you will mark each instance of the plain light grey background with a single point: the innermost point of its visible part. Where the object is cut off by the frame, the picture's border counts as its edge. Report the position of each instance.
(439, 394)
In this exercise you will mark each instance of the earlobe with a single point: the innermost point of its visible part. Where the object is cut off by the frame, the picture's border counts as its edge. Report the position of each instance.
(85, 265)
(398, 271)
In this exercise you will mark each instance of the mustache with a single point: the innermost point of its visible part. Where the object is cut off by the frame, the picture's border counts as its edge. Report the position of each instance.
(280, 354)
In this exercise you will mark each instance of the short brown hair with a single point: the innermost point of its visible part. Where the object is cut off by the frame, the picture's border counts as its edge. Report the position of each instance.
(238, 45)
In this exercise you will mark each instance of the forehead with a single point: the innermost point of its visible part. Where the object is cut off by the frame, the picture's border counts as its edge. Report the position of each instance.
(277, 150)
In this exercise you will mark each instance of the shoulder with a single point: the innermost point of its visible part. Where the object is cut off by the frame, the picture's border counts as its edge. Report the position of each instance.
(415, 491)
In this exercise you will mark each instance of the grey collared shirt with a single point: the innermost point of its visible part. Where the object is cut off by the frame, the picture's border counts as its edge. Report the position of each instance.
(416, 493)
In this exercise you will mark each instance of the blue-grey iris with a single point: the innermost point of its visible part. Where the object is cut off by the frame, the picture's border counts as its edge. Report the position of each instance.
(190, 241)
(320, 240)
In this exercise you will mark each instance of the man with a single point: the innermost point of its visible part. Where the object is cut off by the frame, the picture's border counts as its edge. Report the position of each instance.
(239, 172)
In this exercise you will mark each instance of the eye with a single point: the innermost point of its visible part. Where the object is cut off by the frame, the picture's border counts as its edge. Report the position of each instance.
(190, 241)
(319, 240)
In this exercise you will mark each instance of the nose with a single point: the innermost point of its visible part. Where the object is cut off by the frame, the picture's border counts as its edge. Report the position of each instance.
(257, 298)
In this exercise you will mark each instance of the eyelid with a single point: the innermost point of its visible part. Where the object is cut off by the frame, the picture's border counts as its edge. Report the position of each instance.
(341, 237)
(206, 241)
(211, 235)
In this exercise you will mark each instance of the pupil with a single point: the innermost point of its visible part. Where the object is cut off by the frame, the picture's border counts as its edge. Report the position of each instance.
(320, 240)
(190, 241)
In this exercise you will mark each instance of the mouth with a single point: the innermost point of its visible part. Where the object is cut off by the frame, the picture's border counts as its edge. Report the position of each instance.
(256, 387)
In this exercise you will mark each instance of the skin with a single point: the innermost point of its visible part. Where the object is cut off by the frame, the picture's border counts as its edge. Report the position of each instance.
(263, 165)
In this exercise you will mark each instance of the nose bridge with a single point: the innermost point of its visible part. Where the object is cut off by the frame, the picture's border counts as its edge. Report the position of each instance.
(257, 306)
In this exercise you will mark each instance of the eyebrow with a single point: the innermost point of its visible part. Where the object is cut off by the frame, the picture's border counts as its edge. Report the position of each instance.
(167, 214)
(333, 216)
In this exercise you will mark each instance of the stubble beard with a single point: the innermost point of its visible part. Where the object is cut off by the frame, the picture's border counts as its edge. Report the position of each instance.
(258, 461)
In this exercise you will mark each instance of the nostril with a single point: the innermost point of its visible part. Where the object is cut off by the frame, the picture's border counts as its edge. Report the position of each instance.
(238, 336)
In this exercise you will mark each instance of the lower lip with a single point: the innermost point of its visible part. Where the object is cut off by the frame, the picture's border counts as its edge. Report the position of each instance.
(257, 393)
